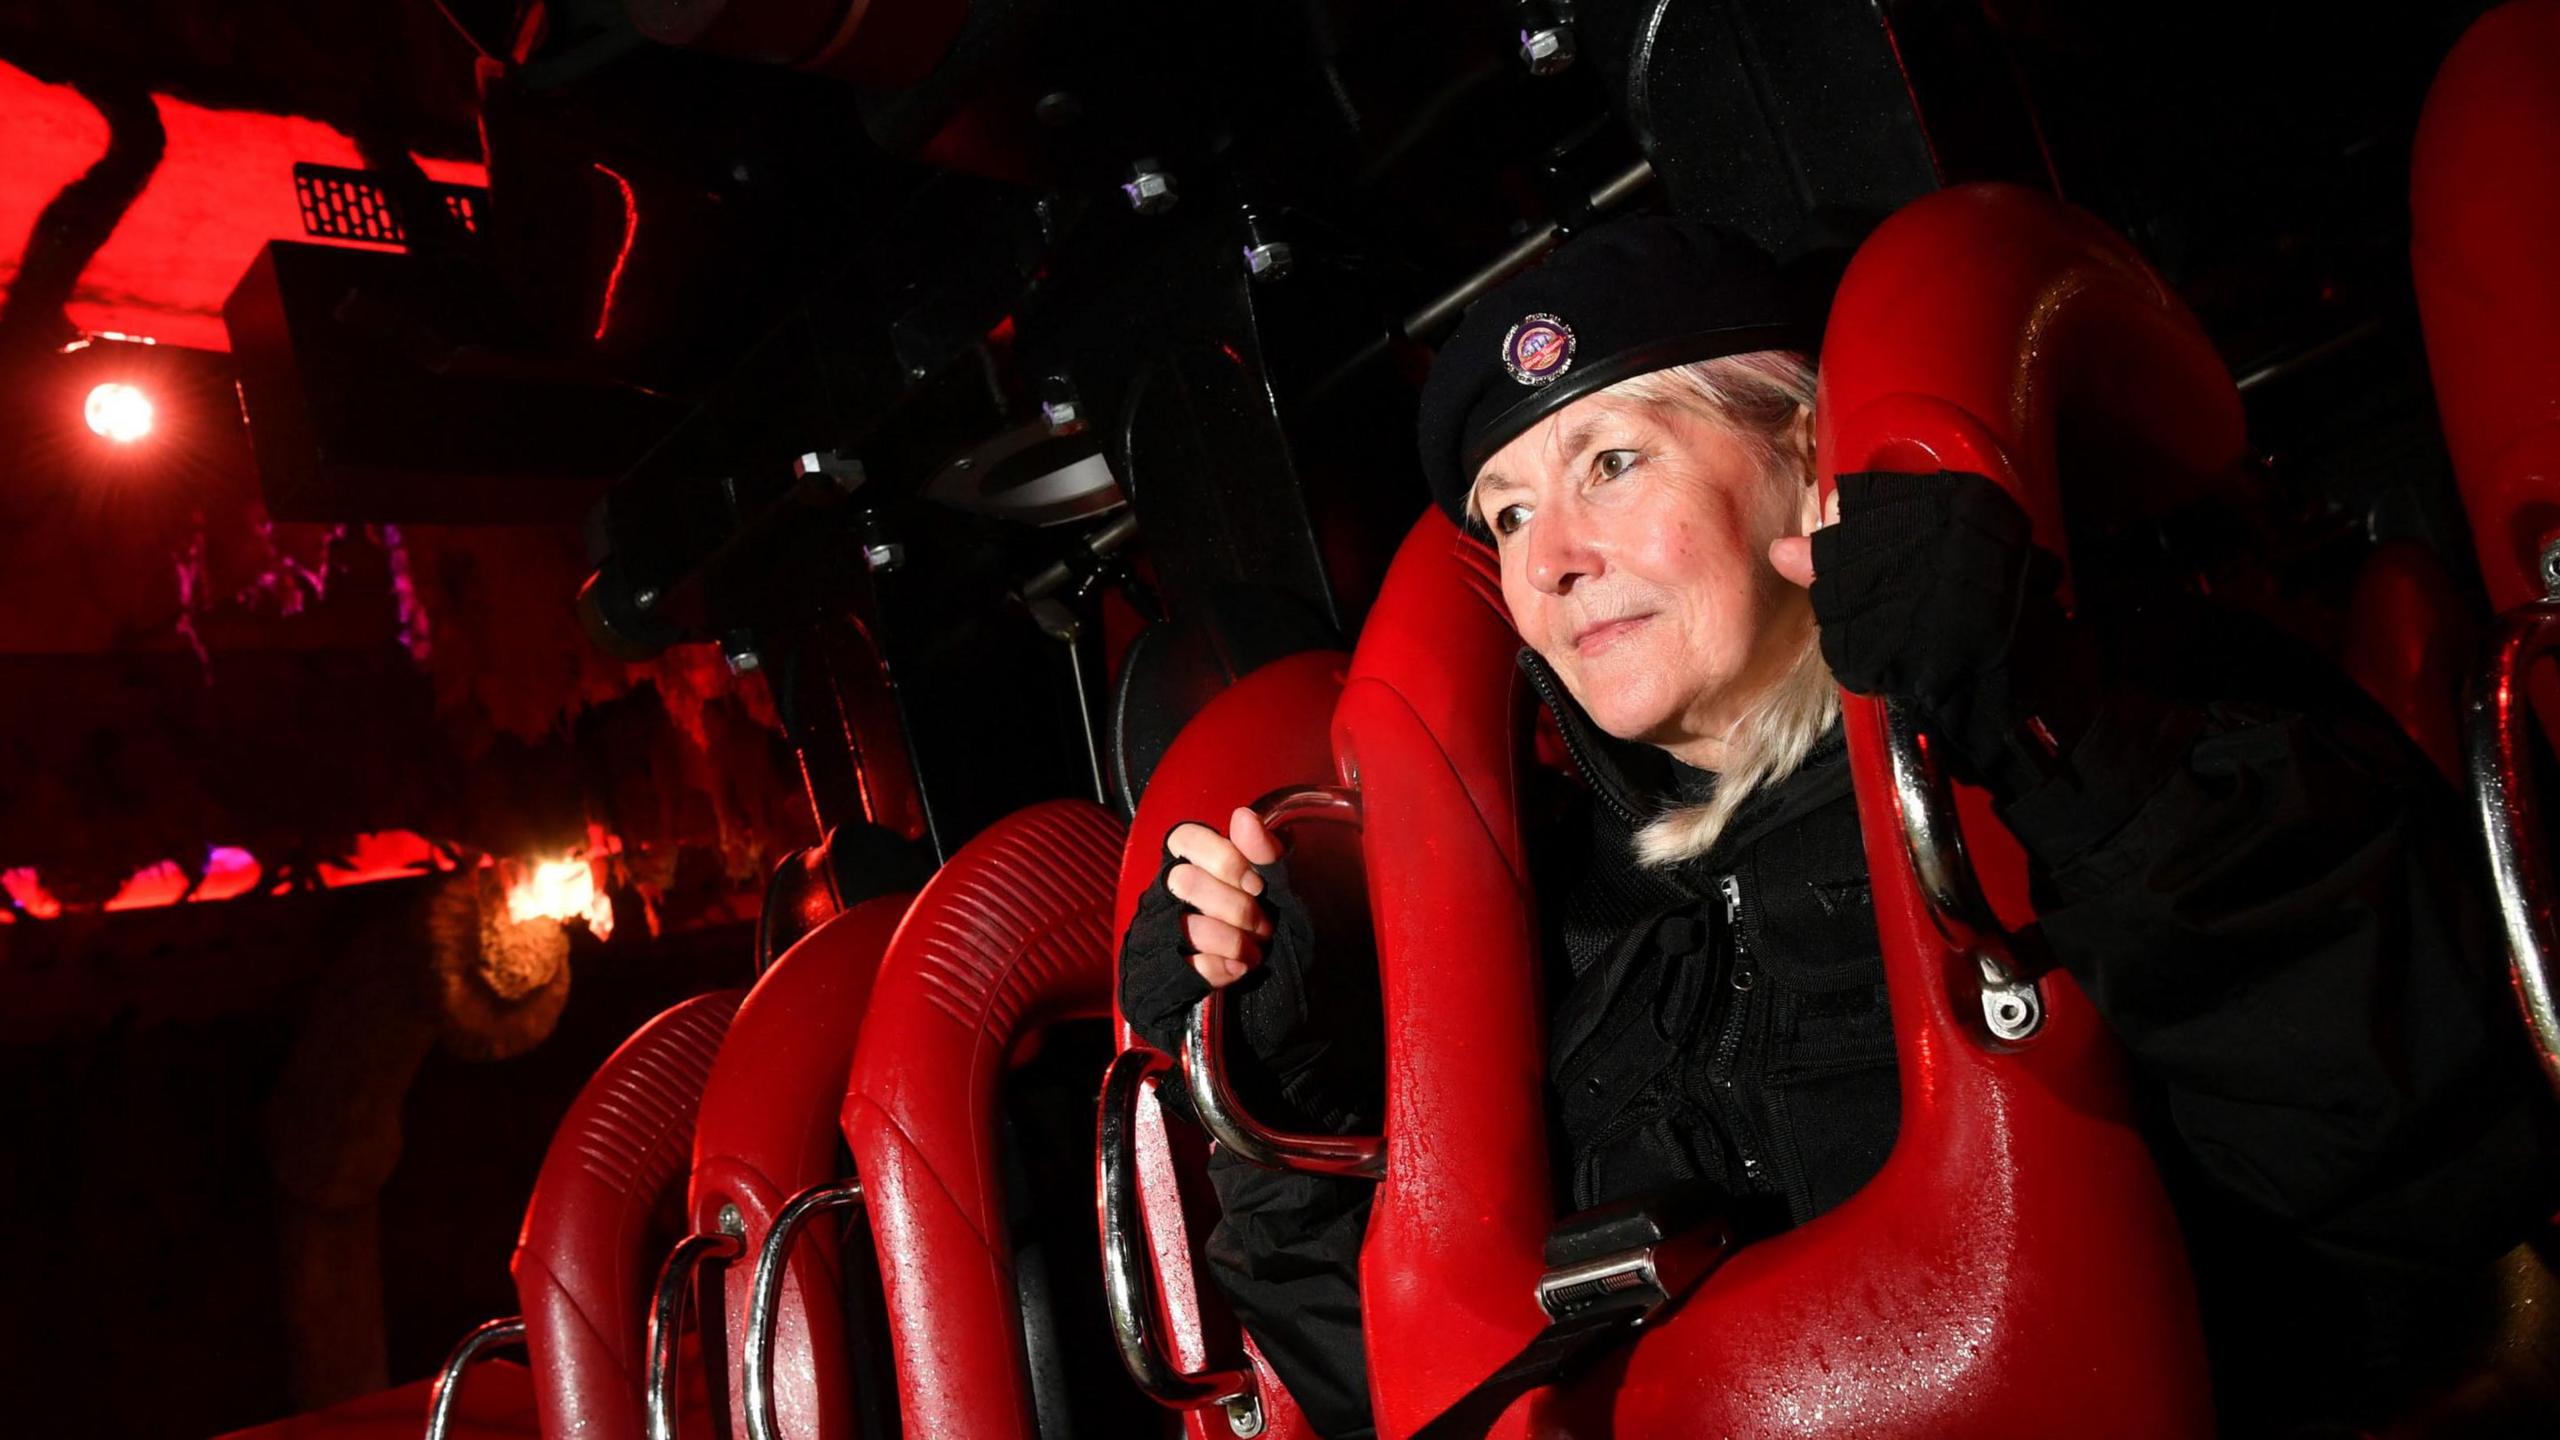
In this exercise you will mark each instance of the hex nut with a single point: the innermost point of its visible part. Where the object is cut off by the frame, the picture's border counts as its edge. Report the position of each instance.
(1547, 51)
(1271, 260)
(1150, 189)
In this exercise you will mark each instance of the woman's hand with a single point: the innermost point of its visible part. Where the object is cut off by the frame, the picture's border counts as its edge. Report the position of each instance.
(1216, 880)
(1203, 925)
(1302, 1044)
(1930, 589)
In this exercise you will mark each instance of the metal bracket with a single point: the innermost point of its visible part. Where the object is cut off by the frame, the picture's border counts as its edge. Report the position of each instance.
(2012, 1007)
(764, 1303)
(666, 1317)
(1128, 1270)
(447, 1392)
(1204, 1069)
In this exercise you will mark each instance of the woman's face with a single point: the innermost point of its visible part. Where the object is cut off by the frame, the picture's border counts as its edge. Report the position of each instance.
(1634, 541)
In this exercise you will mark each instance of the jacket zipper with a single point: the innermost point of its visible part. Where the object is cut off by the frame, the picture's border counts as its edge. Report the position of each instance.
(1743, 977)
(1542, 680)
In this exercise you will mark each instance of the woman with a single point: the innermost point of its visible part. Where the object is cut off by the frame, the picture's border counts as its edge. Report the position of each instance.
(2262, 886)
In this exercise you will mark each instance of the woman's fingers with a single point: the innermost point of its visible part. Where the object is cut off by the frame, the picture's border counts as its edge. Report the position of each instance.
(1219, 971)
(1792, 555)
(1214, 853)
(1216, 899)
(1252, 838)
(1223, 952)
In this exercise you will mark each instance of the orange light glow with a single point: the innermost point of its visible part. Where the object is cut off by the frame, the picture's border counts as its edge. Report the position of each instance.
(561, 890)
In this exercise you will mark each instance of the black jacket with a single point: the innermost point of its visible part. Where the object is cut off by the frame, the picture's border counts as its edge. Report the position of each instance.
(2271, 897)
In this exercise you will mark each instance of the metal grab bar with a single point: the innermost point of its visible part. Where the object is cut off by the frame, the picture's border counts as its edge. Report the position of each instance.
(2519, 861)
(765, 1298)
(1128, 1270)
(1204, 1068)
(666, 1319)
(2012, 1008)
(447, 1391)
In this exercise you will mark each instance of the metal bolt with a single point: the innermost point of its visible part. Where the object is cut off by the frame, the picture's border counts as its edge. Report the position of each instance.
(841, 470)
(1059, 407)
(1057, 109)
(880, 549)
(731, 1221)
(2551, 568)
(2010, 1007)
(1244, 1416)
(1270, 260)
(646, 599)
(1149, 188)
(738, 648)
(1547, 50)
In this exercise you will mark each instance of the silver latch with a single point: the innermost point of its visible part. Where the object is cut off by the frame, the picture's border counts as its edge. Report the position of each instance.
(1628, 1280)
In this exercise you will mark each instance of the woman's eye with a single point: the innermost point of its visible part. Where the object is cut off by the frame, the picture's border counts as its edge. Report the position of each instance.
(1613, 463)
(1509, 518)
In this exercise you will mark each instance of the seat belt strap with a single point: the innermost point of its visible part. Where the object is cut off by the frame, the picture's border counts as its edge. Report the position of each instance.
(1592, 1305)
(1558, 1351)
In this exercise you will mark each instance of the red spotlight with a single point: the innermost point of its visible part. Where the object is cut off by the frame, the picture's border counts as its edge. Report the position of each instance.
(119, 412)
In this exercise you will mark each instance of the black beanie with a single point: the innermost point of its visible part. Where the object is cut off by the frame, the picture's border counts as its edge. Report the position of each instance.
(1617, 301)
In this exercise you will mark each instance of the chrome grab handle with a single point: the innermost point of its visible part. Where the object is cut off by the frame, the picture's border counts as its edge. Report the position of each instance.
(2519, 861)
(765, 1298)
(1128, 1271)
(447, 1391)
(2012, 1008)
(1204, 1068)
(666, 1319)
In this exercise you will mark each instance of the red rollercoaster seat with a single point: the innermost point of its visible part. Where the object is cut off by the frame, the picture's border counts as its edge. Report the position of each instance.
(1011, 934)
(2015, 1268)
(767, 1131)
(585, 1262)
(1266, 731)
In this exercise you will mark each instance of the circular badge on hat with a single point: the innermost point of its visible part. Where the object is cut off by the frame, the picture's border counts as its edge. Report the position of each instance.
(1538, 349)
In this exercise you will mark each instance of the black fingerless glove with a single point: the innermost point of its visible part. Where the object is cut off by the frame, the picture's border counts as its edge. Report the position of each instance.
(1931, 590)
(1280, 1058)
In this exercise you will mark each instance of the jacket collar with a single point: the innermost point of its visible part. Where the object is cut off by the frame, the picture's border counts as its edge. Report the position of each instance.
(1635, 781)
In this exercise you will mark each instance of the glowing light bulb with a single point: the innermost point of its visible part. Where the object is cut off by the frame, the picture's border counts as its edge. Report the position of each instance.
(119, 412)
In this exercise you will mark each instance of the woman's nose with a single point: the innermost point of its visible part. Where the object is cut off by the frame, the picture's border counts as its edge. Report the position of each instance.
(1560, 552)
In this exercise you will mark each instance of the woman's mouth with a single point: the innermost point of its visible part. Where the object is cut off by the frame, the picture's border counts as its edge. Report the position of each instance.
(1593, 639)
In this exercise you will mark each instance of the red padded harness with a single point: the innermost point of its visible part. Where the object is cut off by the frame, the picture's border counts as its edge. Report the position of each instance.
(1011, 934)
(1265, 731)
(767, 1132)
(2484, 201)
(584, 1265)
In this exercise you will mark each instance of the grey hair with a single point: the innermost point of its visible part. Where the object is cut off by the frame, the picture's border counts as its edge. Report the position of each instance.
(1760, 398)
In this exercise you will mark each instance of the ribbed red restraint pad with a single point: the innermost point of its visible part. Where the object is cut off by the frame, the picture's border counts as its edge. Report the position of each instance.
(767, 1132)
(584, 1265)
(1013, 933)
